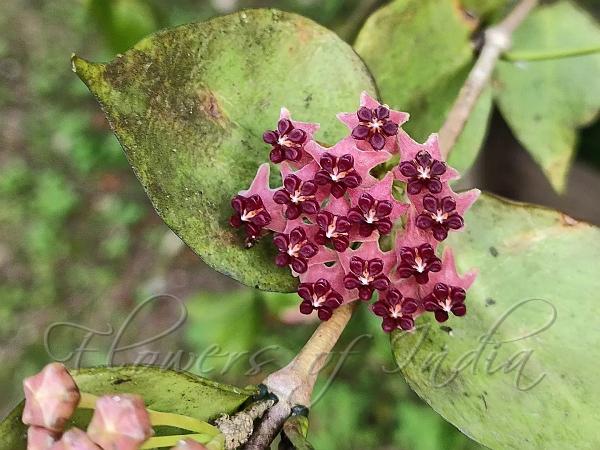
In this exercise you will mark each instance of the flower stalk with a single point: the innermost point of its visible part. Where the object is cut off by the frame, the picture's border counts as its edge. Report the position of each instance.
(293, 384)
(158, 418)
(171, 441)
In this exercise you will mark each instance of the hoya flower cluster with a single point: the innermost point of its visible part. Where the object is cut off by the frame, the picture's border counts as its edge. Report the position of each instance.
(331, 212)
(119, 422)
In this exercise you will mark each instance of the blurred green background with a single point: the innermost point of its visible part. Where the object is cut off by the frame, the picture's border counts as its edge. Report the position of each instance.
(81, 243)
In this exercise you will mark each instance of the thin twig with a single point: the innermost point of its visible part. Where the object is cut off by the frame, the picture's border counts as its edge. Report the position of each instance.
(294, 384)
(497, 41)
(551, 54)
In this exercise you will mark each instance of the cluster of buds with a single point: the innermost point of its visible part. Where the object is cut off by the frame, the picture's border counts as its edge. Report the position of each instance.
(331, 212)
(119, 422)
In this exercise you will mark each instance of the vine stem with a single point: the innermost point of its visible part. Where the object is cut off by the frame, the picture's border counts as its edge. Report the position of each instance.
(293, 385)
(497, 41)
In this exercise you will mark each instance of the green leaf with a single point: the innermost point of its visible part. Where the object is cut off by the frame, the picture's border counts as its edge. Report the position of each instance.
(420, 55)
(163, 390)
(293, 435)
(519, 370)
(545, 102)
(189, 106)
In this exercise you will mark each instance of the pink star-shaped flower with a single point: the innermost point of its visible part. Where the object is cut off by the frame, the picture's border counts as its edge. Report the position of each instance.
(297, 248)
(120, 422)
(422, 166)
(255, 209)
(289, 138)
(464, 200)
(374, 126)
(344, 167)
(51, 397)
(375, 208)
(334, 226)
(322, 289)
(446, 291)
(413, 236)
(299, 195)
(367, 269)
(398, 311)
(444, 212)
(340, 207)
(449, 274)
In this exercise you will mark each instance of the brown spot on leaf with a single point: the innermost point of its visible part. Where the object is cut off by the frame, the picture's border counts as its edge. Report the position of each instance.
(210, 107)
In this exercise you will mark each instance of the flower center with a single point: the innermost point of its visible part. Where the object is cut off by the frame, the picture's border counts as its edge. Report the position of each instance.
(331, 233)
(371, 216)
(284, 141)
(294, 250)
(318, 301)
(365, 278)
(335, 176)
(440, 216)
(396, 311)
(297, 197)
(248, 215)
(446, 305)
(375, 124)
(424, 172)
(419, 265)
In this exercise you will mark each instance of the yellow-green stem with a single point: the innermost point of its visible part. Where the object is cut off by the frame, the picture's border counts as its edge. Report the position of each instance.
(550, 54)
(157, 418)
(184, 422)
(87, 401)
(171, 441)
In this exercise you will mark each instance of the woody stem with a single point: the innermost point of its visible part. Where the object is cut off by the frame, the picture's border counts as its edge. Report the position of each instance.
(293, 385)
(497, 41)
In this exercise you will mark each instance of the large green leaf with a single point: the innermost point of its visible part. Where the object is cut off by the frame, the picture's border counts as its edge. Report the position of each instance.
(537, 302)
(189, 106)
(544, 102)
(163, 390)
(420, 55)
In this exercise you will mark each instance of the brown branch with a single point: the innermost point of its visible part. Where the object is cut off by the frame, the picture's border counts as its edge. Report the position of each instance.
(294, 383)
(497, 41)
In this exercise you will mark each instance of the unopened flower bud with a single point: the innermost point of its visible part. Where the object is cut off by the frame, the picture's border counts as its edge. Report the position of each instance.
(39, 438)
(51, 397)
(120, 422)
(75, 439)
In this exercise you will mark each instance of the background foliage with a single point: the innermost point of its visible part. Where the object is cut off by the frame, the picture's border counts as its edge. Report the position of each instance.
(81, 243)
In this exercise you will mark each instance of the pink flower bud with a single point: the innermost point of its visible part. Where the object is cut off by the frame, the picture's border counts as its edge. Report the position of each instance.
(51, 397)
(120, 422)
(39, 438)
(189, 444)
(75, 439)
